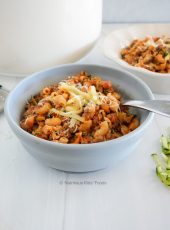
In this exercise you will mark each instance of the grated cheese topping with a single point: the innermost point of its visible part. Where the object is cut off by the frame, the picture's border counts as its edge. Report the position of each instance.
(79, 100)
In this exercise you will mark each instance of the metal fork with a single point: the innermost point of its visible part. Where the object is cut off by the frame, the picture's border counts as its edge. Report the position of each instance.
(3, 95)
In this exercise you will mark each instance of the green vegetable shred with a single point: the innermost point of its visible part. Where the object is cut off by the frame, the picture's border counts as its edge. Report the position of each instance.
(162, 161)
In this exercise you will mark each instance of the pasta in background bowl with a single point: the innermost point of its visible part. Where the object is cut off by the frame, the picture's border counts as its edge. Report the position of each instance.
(75, 157)
(119, 39)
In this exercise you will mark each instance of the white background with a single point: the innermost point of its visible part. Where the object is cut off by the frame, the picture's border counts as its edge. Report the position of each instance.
(136, 10)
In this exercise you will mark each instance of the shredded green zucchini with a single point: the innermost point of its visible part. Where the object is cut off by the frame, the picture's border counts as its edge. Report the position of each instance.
(162, 161)
(165, 141)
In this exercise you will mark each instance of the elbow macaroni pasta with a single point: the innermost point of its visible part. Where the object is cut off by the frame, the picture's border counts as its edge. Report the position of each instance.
(151, 53)
(82, 109)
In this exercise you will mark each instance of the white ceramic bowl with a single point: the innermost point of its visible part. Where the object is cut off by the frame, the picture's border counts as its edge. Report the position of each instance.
(118, 39)
(74, 157)
(44, 33)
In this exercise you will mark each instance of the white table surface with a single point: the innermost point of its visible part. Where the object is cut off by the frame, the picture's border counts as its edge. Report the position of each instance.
(127, 196)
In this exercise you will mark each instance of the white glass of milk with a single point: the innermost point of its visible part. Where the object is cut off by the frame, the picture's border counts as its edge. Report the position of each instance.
(38, 34)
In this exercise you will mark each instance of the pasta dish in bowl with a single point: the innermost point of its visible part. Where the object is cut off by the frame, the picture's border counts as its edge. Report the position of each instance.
(151, 53)
(143, 50)
(77, 123)
(82, 109)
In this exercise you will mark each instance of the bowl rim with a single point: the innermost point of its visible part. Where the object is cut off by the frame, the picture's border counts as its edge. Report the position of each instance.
(123, 63)
(15, 126)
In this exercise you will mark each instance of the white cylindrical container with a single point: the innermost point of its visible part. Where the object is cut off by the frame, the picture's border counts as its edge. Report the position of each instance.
(37, 34)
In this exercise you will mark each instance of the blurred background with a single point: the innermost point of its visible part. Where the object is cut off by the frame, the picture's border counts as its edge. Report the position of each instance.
(136, 11)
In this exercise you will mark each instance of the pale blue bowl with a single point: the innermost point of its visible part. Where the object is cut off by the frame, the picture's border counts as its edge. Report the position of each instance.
(74, 157)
